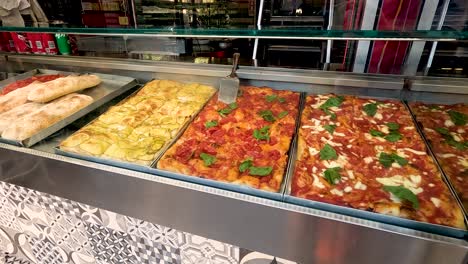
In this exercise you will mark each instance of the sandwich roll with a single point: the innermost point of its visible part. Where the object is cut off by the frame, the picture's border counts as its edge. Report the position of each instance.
(46, 116)
(9, 117)
(49, 91)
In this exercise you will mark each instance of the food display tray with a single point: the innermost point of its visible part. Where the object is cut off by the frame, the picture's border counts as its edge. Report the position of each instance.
(110, 87)
(128, 165)
(388, 219)
(436, 98)
(237, 187)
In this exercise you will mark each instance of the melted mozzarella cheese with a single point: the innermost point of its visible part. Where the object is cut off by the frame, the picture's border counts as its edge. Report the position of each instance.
(335, 109)
(314, 169)
(339, 134)
(446, 155)
(313, 151)
(350, 174)
(368, 160)
(398, 180)
(384, 129)
(461, 130)
(435, 201)
(463, 161)
(336, 192)
(341, 161)
(360, 186)
(431, 185)
(456, 137)
(448, 123)
(408, 128)
(330, 142)
(370, 137)
(415, 151)
(378, 116)
(317, 183)
(348, 189)
(321, 99)
(396, 165)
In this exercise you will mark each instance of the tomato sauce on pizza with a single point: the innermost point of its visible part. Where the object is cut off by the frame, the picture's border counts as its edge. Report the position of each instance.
(367, 154)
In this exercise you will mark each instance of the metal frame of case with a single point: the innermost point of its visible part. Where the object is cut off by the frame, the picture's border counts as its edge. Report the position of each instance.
(289, 231)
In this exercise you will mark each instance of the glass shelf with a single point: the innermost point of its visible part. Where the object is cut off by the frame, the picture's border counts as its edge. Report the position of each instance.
(264, 33)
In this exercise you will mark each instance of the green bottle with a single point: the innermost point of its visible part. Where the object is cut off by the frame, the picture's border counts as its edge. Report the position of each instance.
(63, 43)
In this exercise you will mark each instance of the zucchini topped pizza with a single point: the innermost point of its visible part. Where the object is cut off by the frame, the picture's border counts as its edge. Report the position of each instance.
(245, 142)
(446, 128)
(367, 154)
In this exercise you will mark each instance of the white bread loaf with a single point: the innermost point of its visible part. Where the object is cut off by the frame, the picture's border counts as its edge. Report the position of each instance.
(49, 91)
(46, 116)
(17, 97)
(9, 117)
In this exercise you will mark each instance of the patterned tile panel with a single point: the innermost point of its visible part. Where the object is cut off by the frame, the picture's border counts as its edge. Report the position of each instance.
(45, 229)
(110, 246)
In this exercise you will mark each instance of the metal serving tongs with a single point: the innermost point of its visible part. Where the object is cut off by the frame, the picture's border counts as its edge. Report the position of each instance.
(229, 85)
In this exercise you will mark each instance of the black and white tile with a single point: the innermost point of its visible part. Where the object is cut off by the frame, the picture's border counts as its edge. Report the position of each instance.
(110, 246)
(197, 249)
(152, 252)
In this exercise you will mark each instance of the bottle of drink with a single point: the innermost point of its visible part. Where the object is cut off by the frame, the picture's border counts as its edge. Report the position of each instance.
(63, 43)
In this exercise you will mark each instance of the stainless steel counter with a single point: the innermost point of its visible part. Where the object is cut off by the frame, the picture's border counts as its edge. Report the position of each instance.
(288, 231)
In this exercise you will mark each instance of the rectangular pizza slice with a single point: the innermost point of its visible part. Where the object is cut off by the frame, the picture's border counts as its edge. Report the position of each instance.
(136, 130)
(245, 142)
(367, 154)
(446, 129)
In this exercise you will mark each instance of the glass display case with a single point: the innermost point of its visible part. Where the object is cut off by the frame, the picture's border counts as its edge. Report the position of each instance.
(347, 142)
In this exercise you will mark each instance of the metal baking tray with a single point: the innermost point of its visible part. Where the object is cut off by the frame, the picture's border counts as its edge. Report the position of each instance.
(436, 98)
(111, 87)
(422, 226)
(129, 165)
(237, 187)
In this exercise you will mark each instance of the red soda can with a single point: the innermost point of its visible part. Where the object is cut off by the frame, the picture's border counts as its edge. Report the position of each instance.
(48, 41)
(22, 44)
(35, 40)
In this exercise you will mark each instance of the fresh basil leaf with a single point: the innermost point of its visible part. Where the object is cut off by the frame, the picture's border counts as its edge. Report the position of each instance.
(442, 130)
(387, 159)
(267, 115)
(271, 97)
(458, 118)
(226, 111)
(282, 114)
(262, 133)
(376, 133)
(452, 142)
(207, 159)
(393, 136)
(370, 109)
(332, 175)
(232, 106)
(211, 123)
(330, 113)
(393, 126)
(400, 160)
(260, 171)
(330, 128)
(403, 194)
(328, 153)
(435, 107)
(281, 100)
(245, 165)
(332, 102)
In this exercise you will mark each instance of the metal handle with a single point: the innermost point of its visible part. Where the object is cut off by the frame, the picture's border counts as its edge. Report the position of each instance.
(234, 64)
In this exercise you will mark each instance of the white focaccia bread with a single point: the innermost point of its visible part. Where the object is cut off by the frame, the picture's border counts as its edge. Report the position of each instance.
(48, 91)
(46, 116)
(9, 117)
(16, 97)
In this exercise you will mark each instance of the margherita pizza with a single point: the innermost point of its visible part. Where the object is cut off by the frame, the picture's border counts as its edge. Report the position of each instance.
(245, 142)
(446, 128)
(368, 155)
